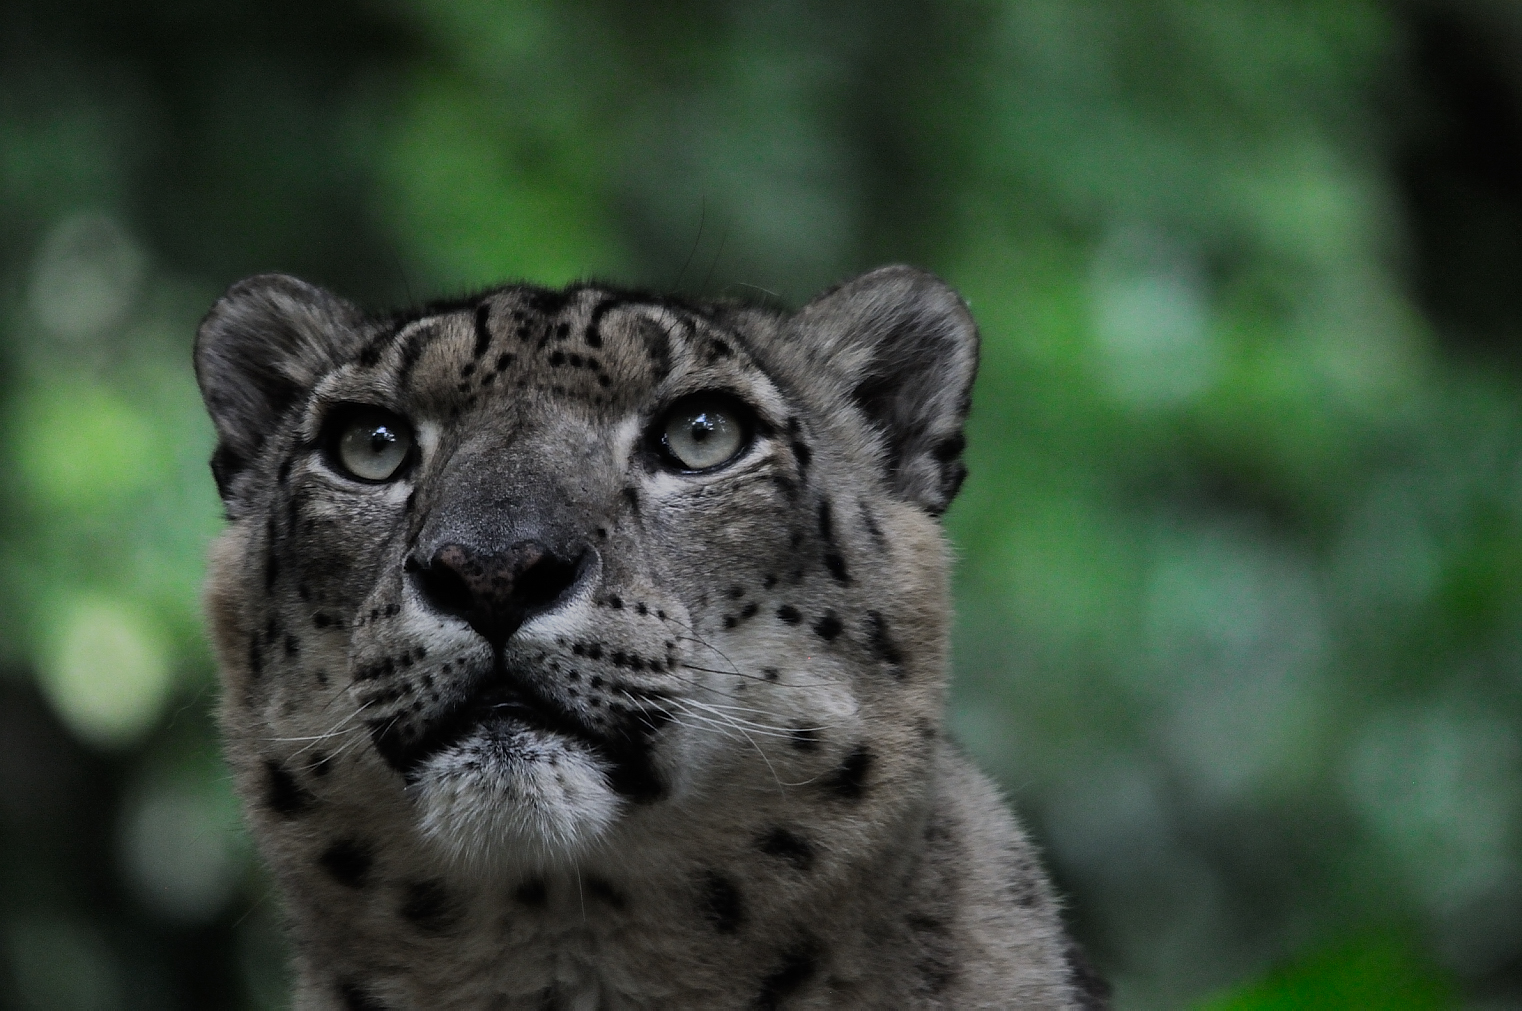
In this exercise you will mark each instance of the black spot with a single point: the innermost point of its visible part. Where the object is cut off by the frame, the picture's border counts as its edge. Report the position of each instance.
(632, 497)
(770, 581)
(657, 346)
(828, 627)
(876, 531)
(729, 621)
(736, 592)
(592, 336)
(806, 738)
(348, 862)
(721, 348)
(604, 892)
(282, 793)
(721, 903)
(802, 454)
(615, 601)
(428, 907)
(558, 358)
(848, 782)
(882, 644)
(936, 964)
(771, 673)
(837, 566)
(483, 333)
(321, 620)
(412, 351)
(950, 448)
(785, 845)
(292, 645)
(749, 610)
(826, 521)
(562, 331)
(284, 473)
(797, 965)
(531, 893)
(322, 763)
(789, 614)
(504, 360)
(356, 999)
(641, 609)
(937, 832)
(383, 667)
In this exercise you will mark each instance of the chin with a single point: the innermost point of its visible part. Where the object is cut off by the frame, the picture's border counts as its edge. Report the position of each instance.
(510, 797)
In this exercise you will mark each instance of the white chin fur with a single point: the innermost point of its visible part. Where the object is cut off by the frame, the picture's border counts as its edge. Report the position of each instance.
(516, 798)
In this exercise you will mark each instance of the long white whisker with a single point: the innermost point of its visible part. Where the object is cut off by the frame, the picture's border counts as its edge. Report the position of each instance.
(335, 731)
(722, 721)
(768, 729)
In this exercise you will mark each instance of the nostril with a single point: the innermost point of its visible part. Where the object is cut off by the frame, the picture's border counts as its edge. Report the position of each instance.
(495, 592)
(443, 586)
(545, 581)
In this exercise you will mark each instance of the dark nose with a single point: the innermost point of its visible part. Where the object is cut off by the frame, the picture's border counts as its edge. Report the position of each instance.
(495, 592)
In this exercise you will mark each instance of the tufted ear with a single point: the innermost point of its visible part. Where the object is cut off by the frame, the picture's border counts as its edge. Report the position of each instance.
(262, 345)
(908, 348)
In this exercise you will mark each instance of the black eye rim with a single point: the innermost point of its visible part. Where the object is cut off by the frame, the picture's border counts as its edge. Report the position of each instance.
(343, 417)
(743, 414)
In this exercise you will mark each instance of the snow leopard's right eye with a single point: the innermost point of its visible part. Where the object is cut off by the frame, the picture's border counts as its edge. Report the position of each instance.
(369, 444)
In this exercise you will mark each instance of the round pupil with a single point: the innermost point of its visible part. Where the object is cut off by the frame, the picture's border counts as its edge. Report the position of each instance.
(703, 428)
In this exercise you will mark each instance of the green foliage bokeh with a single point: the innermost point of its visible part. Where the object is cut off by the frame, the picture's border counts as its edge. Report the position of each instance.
(1240, 553)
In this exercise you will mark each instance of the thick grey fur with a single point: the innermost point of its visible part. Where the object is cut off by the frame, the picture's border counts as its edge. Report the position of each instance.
(756, 806)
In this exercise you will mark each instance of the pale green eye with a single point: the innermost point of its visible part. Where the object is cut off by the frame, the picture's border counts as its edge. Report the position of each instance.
(373, 445)
(703, 434)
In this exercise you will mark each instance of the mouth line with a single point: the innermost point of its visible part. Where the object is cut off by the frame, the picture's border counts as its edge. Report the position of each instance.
(502, 697)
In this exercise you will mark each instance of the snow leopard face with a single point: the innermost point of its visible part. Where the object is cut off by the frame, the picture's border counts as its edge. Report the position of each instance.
(512, 579)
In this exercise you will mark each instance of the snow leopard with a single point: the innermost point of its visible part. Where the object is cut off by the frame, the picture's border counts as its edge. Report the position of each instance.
(587, 648)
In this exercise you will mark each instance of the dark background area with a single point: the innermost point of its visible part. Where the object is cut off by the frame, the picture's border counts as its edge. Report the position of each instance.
(1240, 598)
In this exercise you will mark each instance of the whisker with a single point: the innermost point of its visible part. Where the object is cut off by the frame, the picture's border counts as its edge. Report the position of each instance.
(770, 730)
(335, 731)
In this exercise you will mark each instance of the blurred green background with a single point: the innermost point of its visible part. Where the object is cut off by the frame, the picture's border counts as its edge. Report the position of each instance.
(1240, 593)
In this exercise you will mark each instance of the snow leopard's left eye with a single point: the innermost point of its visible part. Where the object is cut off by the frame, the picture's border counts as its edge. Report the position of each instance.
(369, 444)
(703, 432)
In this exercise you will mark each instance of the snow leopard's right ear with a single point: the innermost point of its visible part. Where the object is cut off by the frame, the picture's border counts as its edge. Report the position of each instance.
(264, 344)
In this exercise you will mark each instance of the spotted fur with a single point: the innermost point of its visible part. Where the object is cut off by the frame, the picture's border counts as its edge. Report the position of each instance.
(704, 767)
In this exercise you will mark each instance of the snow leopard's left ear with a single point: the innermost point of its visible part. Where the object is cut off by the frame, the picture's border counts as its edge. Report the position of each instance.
(261, 347)
(907, 347)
